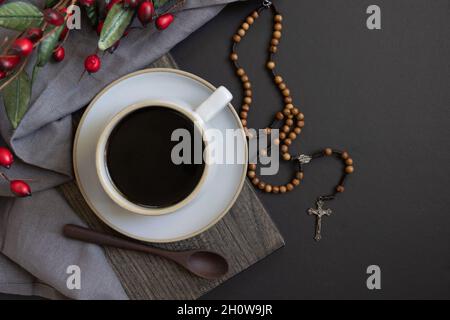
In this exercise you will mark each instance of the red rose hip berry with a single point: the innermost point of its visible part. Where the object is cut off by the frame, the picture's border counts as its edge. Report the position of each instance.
(9, 62)
(53, 17)
(59, 54)
(6, 157)
(92, 63)
(20, 188)
(34, 34)
(145, 12)
(22, 46)
(164, 21)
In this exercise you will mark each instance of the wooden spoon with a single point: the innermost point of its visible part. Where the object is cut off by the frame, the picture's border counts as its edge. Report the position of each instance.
(205, 264)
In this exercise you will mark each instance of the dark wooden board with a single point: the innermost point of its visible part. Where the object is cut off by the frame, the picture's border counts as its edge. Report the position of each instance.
(245, 235)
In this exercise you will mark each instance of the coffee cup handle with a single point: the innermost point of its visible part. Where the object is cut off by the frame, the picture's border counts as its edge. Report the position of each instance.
(216, 102)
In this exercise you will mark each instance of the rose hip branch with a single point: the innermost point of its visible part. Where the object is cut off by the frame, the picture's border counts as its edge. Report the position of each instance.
(18, 187)
(44, 32)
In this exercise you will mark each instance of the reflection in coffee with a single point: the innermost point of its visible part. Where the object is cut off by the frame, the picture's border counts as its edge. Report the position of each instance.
(138, 158)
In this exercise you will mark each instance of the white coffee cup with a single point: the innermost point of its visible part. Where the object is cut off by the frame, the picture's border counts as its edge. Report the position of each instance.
(200, 116)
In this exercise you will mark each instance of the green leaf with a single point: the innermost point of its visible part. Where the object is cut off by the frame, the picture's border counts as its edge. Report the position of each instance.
(16, 97)
(48, 45)
(116, 22)
(20, 16)
(92, 13)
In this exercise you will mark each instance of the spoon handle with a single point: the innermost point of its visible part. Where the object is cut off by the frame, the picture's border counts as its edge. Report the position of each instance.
(91, 236)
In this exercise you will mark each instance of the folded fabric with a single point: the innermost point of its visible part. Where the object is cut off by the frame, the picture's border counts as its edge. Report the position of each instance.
(35, 254)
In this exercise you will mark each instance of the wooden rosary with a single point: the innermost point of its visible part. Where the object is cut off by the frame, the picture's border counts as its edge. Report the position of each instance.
(289, 121)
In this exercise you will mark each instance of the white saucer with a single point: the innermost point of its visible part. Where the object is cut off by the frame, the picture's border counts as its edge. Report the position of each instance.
(218, 193)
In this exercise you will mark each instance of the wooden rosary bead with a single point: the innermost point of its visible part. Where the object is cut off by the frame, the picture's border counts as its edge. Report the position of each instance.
(241, 32)
(271, 65)
(251, 174)
(290, 122)
(255, 14)
(282, 86)
(299, 175)
(288, 100)
(268, 188)
(247, 85)
(255, 181)
(285, 129)
(275, 189)
(278, 79)
(349, 161)
(300, 116)
(328, 151)
(290, 106)
(245, 107)
(295, 111)
(276, 35)
(248, 93)
(244, 122)
(245, 26)
(345, 155)
(292, 136)
(286, 92)
(234, 56)
(278, 18)
(287, 113)
(286, 156)
(287, 142)
(240, 72)
(340, 189)
(349, 169)
(297, 130)
(243, 114)
(261, 185)
(275, 42)
(250, 20)
(284, 148)
(282, 135)
(295, 182)
(273, 49)
(252, 166)
(279, 115)
(300, 124)
(283, 189)
(248, 100)
(237, 38)
(244, 78)
(290, 187)
(278, 27)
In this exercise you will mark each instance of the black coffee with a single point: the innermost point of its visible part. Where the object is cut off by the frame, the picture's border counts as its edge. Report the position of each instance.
(139, 159)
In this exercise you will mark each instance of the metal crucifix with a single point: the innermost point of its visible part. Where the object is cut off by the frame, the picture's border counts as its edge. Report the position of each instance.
(319, 213)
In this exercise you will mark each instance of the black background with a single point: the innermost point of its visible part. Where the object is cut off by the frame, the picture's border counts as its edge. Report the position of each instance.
(381, 94)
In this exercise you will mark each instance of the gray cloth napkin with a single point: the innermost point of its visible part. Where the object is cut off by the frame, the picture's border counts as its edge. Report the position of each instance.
(35, 255)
